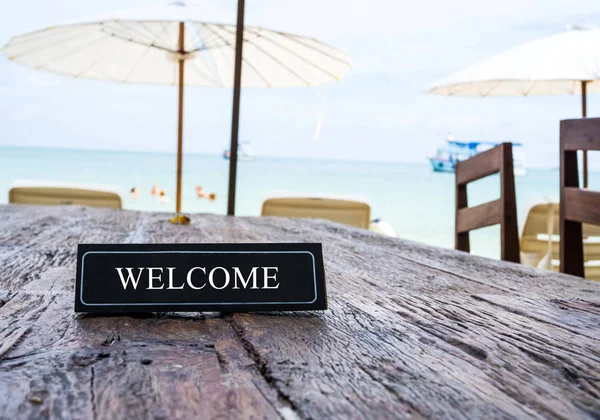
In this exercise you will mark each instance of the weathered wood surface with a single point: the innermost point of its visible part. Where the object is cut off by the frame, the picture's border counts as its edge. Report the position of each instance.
(412, 331)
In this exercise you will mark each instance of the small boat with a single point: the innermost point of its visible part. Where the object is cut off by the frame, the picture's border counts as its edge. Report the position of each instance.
(245, 152)
(455, 151)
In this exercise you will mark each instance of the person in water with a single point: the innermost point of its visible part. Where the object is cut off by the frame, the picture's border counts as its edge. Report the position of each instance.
(212, 196)
(134, 193)
(163, 197)
(155, 190)
(200, 192)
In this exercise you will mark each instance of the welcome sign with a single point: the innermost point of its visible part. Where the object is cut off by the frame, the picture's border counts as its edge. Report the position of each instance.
(199, 277)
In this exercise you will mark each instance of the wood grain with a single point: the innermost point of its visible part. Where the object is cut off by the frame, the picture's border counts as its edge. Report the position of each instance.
(479, 166)
(476, 217)
(582, 205)
(581, 134)
(413, 331)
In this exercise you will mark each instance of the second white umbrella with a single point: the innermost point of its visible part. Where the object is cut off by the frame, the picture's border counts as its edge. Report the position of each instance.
(563, 64)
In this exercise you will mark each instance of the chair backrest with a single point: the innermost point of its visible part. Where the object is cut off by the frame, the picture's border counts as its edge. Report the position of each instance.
(539, 237)
(49, 195)
(577, 205)
(353, 213)
(502, 211)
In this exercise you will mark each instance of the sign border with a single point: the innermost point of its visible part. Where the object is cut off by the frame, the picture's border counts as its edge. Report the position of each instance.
(274, 248)
(197, 303)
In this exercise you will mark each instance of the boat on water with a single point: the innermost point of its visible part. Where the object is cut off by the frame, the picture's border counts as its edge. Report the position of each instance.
(245, 152)
(454, 151)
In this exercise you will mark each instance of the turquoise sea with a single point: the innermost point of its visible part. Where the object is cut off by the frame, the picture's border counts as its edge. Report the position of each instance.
(416, 201)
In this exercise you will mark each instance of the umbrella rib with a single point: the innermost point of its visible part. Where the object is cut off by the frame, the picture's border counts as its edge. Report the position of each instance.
(204, 73)
(277, 61)
(215, 77)
(140, 60)
(124, 31)
(70, 52)
(152, 40)
(211, 72)
(264, 79)
(28, 38)
(199, 38)
(133, 41)
(98, 60)
(529, 88)
(490, 90)
(194, 38)
(219, 36)
(136, 64)
(212, 35)
(156, 39)
(243, 59)
(216, 73)
(70, 37)
(150, 31)
(295, 54)
(165, 27)
(295, 39)
(202, 40)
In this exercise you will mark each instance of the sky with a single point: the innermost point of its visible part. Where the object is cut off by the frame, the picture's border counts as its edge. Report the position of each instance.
(379, 111)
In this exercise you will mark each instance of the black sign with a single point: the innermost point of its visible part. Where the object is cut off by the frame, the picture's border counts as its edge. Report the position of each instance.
(199, 277)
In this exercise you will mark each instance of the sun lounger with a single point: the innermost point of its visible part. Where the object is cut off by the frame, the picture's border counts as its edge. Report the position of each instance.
(48, 194)
(540, 241)
(353, 213)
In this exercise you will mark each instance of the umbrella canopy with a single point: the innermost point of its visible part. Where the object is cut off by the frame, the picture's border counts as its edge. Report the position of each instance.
(555, 65)
(563, 64)
(143, 46)
(153, 45)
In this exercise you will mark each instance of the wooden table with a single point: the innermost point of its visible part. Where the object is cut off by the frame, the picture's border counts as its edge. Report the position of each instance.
(412, 331)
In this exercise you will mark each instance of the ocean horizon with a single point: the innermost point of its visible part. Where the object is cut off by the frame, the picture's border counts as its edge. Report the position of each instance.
(417, 202)
(595, 165)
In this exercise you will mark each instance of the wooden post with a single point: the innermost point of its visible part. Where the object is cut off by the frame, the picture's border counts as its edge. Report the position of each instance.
(509, 230)
(180, 123)
(584, 115)
(461, 239)
(235, 117)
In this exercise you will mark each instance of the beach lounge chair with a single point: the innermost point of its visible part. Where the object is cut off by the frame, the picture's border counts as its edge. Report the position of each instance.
(502, 211)
(353, 213)
(48, 194)
(540, 242)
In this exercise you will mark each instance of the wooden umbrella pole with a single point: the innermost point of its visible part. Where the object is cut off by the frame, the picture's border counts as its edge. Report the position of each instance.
(584, 115)
(180, 123)
(235, 117)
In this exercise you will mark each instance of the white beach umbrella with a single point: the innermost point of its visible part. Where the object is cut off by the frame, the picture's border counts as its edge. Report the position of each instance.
(567, 63)
(174, 45)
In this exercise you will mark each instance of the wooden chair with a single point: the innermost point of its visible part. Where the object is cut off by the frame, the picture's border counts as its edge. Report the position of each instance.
(502, 211)
(577, 205)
